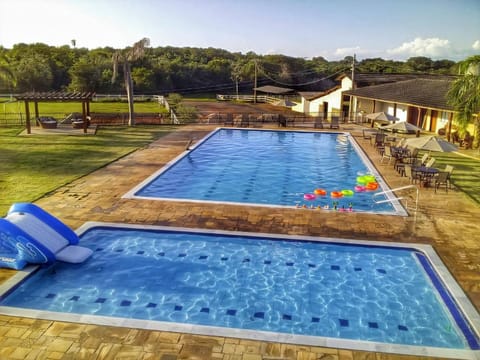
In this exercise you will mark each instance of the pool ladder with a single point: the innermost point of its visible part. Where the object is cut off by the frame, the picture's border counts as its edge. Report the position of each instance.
(393, 191)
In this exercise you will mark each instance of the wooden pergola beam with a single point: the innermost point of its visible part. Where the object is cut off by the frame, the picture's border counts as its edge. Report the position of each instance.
(36, 97)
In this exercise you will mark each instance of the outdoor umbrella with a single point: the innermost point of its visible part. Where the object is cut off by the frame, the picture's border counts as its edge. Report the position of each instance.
(431, 143)
(401, 126)
(381, 116)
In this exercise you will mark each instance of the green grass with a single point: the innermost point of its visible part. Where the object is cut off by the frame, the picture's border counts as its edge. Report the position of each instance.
(466, 173)
(62, 109)
(32, 166)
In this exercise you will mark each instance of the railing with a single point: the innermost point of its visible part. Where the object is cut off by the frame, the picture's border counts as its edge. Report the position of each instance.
(123, 97)
(393, 199)
(249, 98)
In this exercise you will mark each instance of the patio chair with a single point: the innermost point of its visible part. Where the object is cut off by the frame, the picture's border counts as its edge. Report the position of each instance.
(244, 122)
(423, 160)
(449, 169)
(430, 162)
(379, 143)
(228, 120)
(318, 123)
(387, 154)
(368, 133)
(335, 123)
(441, 178)
(412, 175)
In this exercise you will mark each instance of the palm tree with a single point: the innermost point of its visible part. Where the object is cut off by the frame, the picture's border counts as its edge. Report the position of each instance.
(236, 73)
(464, 96)
(124, 57)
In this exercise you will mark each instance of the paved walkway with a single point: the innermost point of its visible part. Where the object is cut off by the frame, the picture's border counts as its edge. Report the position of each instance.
(449, 222)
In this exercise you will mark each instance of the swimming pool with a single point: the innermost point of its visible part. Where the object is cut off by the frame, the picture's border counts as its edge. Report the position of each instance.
(314, 291)
(270, 168)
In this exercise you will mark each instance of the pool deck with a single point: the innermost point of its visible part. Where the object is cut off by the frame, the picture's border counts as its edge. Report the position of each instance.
(450, 222)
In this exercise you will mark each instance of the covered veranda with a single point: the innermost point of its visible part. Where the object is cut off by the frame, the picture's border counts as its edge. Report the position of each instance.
(56, 96)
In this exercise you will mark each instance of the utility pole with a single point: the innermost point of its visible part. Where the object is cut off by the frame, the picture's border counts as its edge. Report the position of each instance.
(352, 112)
(255, 83)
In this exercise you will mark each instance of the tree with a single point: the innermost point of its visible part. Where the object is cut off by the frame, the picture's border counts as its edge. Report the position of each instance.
(420, 64)
(88, 72)
(464, 96)
(237, 73)
(7, 77)
(123, 58)
(33, 73)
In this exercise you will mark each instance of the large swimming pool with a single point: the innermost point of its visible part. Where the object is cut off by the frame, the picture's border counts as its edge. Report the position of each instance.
(272, 287)
(270, 168)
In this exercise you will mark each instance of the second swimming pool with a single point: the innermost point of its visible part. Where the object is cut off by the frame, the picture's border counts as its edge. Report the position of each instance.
(306, 288)
(270, 168)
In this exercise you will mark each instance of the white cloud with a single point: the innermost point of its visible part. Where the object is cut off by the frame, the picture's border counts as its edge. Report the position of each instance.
(476, 45)
(348, 51)
(431, 47)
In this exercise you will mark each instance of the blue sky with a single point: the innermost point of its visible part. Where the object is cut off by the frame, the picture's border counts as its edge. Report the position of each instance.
(390, 29)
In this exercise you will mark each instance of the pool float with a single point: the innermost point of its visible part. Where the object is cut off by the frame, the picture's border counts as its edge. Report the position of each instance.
(309, 197)
(336, 194)
(365, 179)
(321, 192)
(372, 186)
(361, 180)
(360, 188)
(347, 192)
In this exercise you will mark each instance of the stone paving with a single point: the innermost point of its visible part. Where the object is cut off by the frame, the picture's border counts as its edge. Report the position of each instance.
(447, 221)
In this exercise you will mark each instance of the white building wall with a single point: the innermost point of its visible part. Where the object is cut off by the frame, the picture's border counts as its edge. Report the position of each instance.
(334, 100)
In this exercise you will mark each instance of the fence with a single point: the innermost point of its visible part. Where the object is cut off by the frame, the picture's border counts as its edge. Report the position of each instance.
(249, 98)
(200, 117)
(18, 118)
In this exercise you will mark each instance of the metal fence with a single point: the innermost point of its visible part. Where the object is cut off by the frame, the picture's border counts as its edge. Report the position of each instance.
(200, 117)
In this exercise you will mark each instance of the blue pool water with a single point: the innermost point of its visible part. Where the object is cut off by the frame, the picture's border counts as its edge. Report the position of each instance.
(313, 288)
(268, 168)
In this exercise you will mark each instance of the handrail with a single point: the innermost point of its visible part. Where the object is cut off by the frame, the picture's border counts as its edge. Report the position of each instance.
(392, 191)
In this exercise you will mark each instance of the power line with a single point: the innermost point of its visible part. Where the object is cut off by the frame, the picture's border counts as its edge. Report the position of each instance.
(305, 83)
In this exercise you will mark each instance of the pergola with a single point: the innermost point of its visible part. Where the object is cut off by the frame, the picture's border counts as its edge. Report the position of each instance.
(36, 97)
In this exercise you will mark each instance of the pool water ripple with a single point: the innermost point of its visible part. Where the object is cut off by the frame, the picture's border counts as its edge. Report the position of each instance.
(266, 168)
(318, 289)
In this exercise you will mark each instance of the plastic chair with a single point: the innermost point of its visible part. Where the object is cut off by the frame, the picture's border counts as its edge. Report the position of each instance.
(387, 154)
(430, 162)
(442, 178)
(335, 124)
(412, 175)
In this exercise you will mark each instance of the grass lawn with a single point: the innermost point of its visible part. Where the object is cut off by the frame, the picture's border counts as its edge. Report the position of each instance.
(31, 166)
(466, 173)
(60, 110)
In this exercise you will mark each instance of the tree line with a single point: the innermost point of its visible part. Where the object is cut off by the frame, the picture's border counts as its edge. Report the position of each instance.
(163, 70)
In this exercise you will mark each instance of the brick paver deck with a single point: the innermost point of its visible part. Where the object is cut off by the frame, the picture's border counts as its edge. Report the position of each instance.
(449, 222)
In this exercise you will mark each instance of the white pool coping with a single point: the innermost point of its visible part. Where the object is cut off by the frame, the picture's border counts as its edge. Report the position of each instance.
(449, 282)
(399, 210)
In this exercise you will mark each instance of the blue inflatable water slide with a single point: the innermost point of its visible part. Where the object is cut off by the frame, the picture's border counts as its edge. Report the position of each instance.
(30, 235)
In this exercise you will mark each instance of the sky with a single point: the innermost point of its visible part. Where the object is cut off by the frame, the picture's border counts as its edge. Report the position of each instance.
(389, 29)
